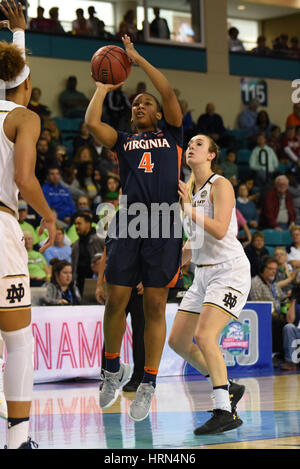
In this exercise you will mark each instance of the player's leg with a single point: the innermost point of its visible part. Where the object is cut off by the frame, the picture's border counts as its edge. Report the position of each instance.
(181, 340)
(3, 406)
(18, 376)
(115, 317)
(155, 300)
(136, 311)
(211, 322)
(115, 374)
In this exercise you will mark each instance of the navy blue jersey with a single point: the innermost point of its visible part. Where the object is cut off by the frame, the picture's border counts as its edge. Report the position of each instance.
(149, 164)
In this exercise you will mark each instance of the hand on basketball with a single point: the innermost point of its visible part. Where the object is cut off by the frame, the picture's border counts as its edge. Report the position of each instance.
(108, 86)
(130, 50)
(15, 16)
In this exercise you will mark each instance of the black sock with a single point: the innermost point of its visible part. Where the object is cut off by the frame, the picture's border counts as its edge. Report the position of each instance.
(12, 422)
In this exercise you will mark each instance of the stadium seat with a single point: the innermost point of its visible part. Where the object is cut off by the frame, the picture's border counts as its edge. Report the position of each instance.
(68, 129)
(284, 167)
(67, 125)
(270, 249)
(286, 238)
(243, 156)
(223, 153)
(240, 136)
(272, 237)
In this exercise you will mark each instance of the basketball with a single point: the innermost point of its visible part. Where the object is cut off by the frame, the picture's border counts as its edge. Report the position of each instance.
(110, 64)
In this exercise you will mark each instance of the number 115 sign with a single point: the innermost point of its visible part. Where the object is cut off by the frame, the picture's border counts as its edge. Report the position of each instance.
(252, 88)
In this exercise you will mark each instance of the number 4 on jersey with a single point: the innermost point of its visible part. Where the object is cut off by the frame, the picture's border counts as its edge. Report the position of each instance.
(146, 163)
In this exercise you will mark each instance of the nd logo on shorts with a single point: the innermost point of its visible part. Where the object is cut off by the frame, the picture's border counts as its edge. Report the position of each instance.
(229, 300)
(14, 292)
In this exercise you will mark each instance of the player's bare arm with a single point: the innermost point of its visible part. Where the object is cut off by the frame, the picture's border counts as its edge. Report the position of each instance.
(186, 253)
(23, 128)
(223, 200)
(103, 132)
(171, 108)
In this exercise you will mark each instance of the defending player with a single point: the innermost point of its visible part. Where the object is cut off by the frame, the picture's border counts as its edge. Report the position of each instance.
(149, 170)
(19, 132)
(221, 284)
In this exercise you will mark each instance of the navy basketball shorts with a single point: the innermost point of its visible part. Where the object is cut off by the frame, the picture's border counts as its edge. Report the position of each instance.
(154, 261)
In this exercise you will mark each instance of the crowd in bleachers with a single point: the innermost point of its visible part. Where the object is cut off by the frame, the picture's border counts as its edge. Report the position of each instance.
(282, 46)
(86, 24)
(76, 174)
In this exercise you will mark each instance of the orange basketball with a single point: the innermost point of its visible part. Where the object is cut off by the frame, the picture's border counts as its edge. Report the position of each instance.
(110, 64)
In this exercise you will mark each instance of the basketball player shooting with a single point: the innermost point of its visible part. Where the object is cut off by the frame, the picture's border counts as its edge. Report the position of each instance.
(147, 176)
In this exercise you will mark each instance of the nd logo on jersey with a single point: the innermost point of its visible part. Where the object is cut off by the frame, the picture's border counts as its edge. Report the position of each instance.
(15, 293)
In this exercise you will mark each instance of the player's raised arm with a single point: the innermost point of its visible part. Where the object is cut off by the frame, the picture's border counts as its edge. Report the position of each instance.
(170, 105)
(27, 126)
(223, 200)
(103, 132)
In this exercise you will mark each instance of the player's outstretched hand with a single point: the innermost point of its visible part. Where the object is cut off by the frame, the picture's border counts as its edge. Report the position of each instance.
(100, 294)
(130, 50)
(50, 225)
(15, 16)
(140, 289)
(108, 86)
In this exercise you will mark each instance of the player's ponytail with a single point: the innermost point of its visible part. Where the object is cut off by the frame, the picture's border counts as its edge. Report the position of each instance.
(214, 148)
(190, 185)
(11, 61)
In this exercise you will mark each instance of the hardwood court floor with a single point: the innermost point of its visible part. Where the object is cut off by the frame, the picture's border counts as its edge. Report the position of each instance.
(67, 416)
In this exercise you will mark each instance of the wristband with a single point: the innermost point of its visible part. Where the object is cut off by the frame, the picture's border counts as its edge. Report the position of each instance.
(19, 41)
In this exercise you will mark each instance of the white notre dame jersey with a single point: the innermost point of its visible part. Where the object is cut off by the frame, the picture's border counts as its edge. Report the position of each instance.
(8, 188)
(212, 250)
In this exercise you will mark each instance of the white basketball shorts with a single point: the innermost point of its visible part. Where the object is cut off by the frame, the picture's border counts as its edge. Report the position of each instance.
(225, 286)
(14, 275)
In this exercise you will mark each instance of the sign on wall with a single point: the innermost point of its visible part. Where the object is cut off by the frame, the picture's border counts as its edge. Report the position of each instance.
(68, 342)
(254, 88)
(246, 344)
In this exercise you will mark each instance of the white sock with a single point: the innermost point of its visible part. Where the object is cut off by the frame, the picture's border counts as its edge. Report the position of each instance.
(222, 399)
(18, 434)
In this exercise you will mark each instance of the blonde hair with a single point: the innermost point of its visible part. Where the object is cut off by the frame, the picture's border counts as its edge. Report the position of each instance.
(213, 148)
(11, 61)
(280, 248)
